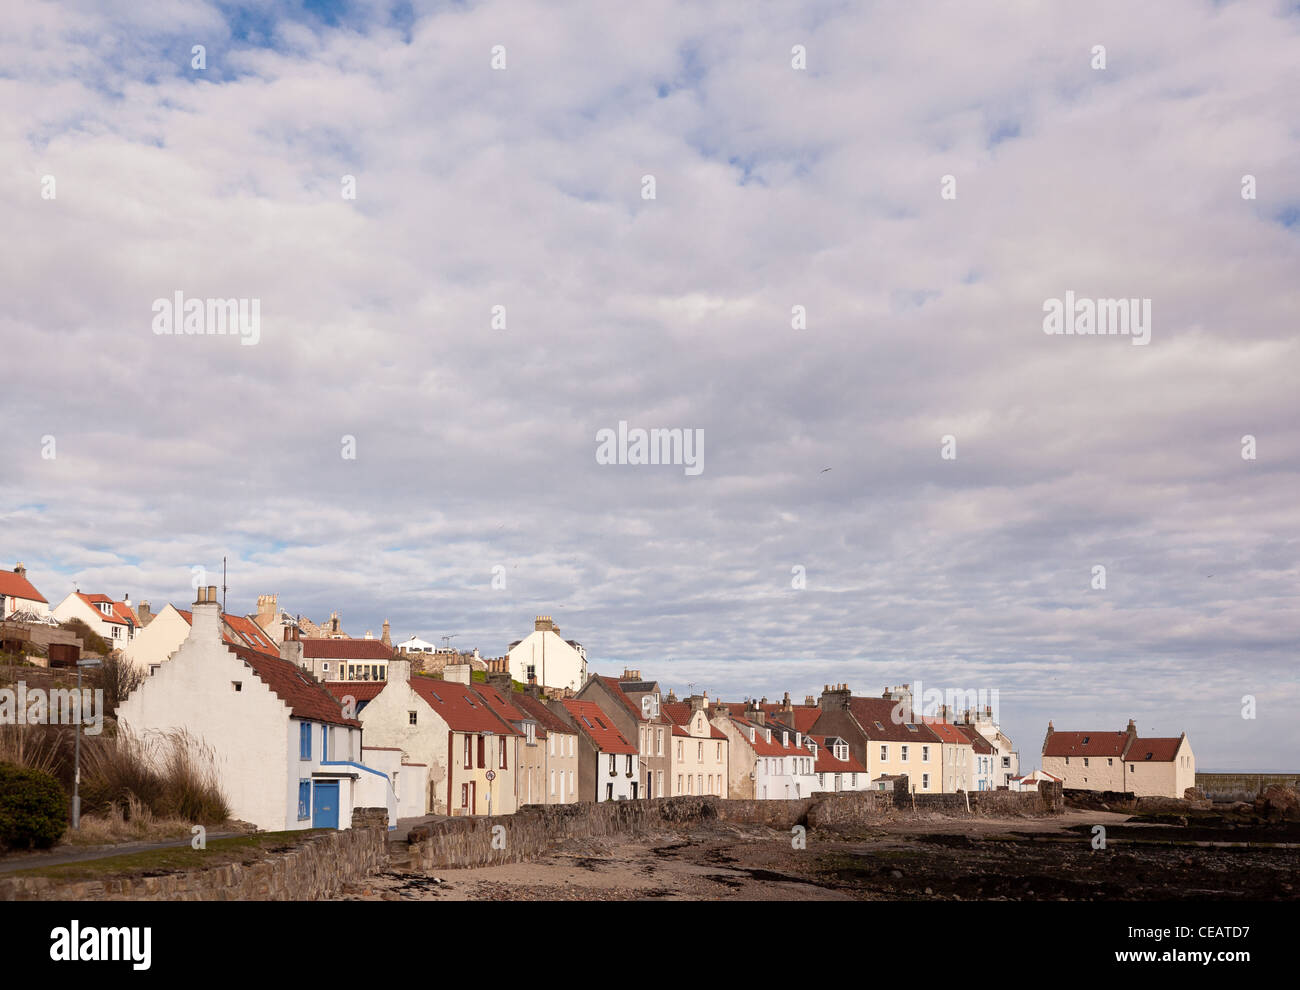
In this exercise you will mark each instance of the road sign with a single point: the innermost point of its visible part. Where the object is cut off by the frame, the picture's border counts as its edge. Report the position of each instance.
(491, 775)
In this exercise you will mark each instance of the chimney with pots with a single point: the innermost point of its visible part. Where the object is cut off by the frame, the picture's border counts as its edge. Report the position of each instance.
(20, 570)
(206, 614)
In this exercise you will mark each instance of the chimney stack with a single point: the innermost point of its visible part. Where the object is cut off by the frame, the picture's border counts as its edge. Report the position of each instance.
(457, 673)
(206, 615)
(20, 570)
(386, 638)
(399, 670)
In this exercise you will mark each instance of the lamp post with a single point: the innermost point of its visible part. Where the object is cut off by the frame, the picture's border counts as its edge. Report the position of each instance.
(76, 776)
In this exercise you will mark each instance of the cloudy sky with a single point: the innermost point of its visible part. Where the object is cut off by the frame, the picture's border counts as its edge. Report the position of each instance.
(129, 457)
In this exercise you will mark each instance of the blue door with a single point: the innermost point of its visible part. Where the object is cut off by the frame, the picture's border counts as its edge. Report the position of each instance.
(325, 804)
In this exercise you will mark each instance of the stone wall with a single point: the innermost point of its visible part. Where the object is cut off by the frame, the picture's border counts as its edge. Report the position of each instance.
(316, 867)
(534, 829)
(1241, 786)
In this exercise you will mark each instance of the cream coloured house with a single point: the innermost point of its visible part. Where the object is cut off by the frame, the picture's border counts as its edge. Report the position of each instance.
(554, 662)
(1120, 761)
(697, 750)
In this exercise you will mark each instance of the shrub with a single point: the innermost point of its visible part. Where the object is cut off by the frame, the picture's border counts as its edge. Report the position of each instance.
(33, 808)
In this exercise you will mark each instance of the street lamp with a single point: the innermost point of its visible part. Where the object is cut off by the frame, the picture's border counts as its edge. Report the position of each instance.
(76, 776)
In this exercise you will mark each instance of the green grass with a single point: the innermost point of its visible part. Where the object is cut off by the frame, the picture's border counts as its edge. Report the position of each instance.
(243, 849)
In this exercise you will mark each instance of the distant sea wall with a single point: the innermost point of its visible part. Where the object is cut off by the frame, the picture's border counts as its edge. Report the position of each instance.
(1242, 786)
(535, 829)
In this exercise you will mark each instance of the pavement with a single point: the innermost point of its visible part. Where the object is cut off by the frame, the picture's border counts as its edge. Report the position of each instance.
(80, 854)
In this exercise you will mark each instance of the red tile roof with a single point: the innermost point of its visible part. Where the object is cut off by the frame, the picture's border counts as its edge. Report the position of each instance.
(760, 744)
(1159, 750)
(595, 724)
(876, 716)
(611, 683)
(1096, 744)
(460, 707)
(499, 703)
(546, 719)
(978, 743)
(826, 762)
(16, 586)
(236, 631)
(679, 713)
(121, 614)
(306, 698)
(358, 690)
(346, 649)
(947, 732)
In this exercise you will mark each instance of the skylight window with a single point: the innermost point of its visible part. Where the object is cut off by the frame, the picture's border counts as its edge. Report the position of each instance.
(880, 727)
(910, 727)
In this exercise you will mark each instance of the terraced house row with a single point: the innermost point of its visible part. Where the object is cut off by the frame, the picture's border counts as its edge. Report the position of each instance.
(305, 723)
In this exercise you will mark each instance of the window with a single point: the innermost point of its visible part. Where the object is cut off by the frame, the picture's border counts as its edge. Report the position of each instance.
(154, 668)
(1006, 761)
(904, 755)
(609, 791)
(504, 750)
(821, 780)
(464, 795)
(468, 762)
(1110, 762)
(925, 781)
(660, 734)
(570, 779)
(679, 749)
(884, 752)
(629, 764)
(719, 752)
(325, 666)
(1085, 762)
(853, 779)
(552, 781)
(324, 742)
(304, 741)
(679, 783)
(237, 685)
(411, 718)
(550, 746)
(572, 742)
(304, 800)
(699, 752)
(482, 752)
(613, 764)
(925, 754)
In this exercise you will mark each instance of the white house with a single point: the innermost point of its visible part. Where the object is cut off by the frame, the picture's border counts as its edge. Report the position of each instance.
(19, 599)
(415, 645)
(163, 636)
(555, 662)
(835, 767)
(608, 768)
(116, 622)
(285, 756)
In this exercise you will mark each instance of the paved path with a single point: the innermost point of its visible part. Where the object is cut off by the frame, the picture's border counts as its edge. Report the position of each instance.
(80, 854)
